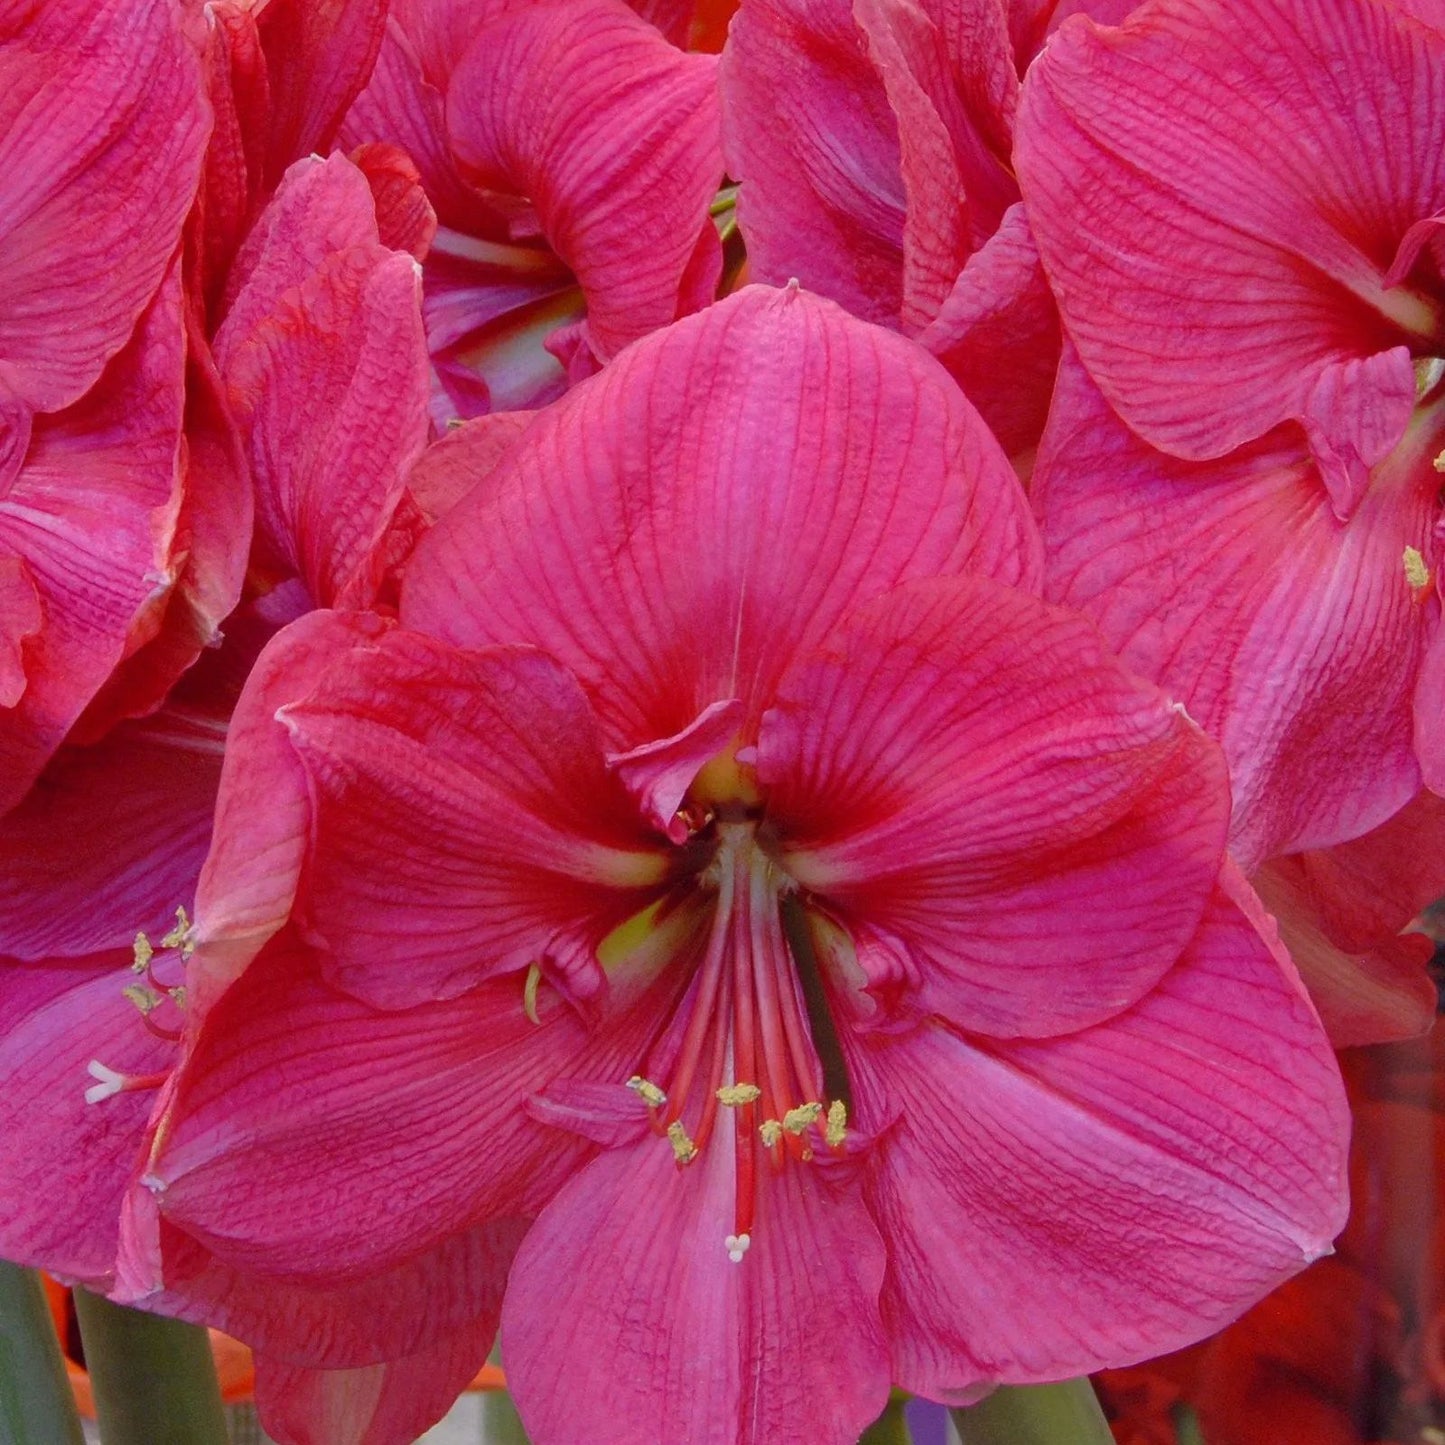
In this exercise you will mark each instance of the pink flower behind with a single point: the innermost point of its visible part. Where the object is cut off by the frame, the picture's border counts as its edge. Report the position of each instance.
(571, 154)
(667, 887)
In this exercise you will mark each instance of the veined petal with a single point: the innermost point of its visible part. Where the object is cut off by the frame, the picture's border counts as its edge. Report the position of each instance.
(1217, 208)
(781, 1348)
(611, 134)
(1292, 637)
(969, 770)
(92, 514)
(463, 822)
(59, 1015)
(102, 129)
(1160, 1172)
(429, 1098)
(680, 527)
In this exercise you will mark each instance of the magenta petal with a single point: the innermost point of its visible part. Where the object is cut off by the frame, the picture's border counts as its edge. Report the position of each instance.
(102, 129)
(612, 135)
(463, 824)
(58, 1017)
(1217, 219)
(429, 1098)
(634, 532)
(1292, 637)
(1059, 1206)
(969, 771)
(783, 1348)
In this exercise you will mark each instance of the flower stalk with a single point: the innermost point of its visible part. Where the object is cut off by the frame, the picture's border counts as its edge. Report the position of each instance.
(891, 1427)
(154, 1378)
(35, 1398)
(1066, 1413)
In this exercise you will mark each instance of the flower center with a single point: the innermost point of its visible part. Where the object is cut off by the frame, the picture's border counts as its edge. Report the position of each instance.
(744, 1068)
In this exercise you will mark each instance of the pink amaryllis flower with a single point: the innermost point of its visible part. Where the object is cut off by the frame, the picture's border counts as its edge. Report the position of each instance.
(731, 868)
(1238, 206)
(572, 155)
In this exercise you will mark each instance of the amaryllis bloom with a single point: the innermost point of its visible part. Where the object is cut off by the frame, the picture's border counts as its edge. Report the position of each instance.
(1238, 206)
(872, 142)
(729, 869)
(572, 155)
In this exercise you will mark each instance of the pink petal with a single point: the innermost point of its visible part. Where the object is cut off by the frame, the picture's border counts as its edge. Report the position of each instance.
(404, 217)
(92, 515)
(1292, 637)
(21, 618)
(110, 840)
(997, 332)
(1343, 911)
(969, 772)
(1216, 219)
(248, 884)
(59, 1015)
(102, 129)
(625, 1322)
(294, 1092)
(463, 824)
(612, 135)
(462, 459)
(390, 1403)
(324, 358)
(633, 532)
(1158, 1173)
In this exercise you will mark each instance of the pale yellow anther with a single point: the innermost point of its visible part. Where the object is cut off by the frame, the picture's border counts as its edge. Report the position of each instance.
(1440, 462)
(736, 1095)
(529, 993)
(178, 995)
(145, 999)
(801, 1119)
(141, 953)
(837, 1123)
(771, 1131)
(1417, 574)
(683, 1149)
(649, 1092)
(180, 935)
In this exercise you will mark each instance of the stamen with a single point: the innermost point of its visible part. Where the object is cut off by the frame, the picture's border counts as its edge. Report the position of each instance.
(771, 1130)
(650, 1094)
(1417, 574)
(801, 1119)
(180, 936)
(737, 1245)
(837, 1124)
(529, 993)
(736, 1095)
(1439, 462)
(145, 999)
(142, 953)
(683, 1149)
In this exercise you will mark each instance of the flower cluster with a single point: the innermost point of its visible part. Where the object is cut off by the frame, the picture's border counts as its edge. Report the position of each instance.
(751, 710)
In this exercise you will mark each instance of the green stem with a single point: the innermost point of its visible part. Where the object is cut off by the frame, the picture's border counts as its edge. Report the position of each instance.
(891, 1427)
(1067, 1413)
(1186, 1426)
(154, 1379)
(501, 1425)
(35, 1398)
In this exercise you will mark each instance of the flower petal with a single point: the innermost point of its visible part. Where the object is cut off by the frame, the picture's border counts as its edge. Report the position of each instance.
(429, 1098)
(1216, 216)
(677, 529)
(968, 770)
(1158, 1172)
(102, 130)
(1292, 637)
(612, 135)
(781, 1348)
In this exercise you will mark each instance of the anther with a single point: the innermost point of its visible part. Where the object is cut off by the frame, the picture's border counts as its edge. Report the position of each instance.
(145, 999)
(736, 1095)
(801, 1119)
(142, 953)
(771, 1130)
(837, 1124)
(683, 1149)
(737, 1245)
(1417, 574)
(529, 993)
(180, 936)
(1440, 462)
(650, 1094)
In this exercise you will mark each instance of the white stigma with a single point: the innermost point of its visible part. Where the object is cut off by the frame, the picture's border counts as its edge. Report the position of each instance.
(110, 1082)
(737, 1245)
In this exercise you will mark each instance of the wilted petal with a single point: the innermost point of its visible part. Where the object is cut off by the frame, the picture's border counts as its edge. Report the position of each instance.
(969, 771)
(781, 1348)
(1058, 1206)
(638, 534)
(102, 128)
(1292, 637)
